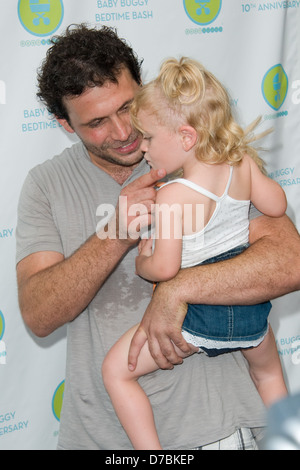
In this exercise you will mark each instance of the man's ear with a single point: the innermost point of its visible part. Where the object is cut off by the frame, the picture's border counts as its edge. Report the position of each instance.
(64, 123)
(188, 137)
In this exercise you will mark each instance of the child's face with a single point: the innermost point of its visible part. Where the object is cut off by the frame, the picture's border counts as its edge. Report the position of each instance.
(162, 146)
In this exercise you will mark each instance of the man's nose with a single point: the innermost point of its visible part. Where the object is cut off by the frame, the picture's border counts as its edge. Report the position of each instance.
(121, 128)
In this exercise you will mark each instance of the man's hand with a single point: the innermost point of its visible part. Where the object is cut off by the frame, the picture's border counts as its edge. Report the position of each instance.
(135, 205)
(161, 326)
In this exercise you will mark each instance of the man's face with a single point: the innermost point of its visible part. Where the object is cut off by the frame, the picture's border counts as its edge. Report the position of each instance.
(100, 118)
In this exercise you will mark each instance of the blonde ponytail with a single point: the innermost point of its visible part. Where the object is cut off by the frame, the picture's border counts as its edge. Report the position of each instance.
(182, 80)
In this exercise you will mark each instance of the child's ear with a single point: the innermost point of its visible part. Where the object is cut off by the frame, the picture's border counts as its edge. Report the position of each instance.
(188, 137)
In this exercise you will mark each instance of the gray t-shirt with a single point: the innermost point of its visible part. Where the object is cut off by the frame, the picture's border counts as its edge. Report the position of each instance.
(196, 403)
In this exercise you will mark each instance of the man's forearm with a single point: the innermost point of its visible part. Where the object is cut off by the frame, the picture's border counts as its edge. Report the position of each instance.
(58, 294)
(268, 269)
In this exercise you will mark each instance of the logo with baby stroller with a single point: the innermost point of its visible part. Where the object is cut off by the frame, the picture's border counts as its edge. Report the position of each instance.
(275, 86)
(57, 400)
(2, 344)
(2, 325)
(202, 13)
(41, 17)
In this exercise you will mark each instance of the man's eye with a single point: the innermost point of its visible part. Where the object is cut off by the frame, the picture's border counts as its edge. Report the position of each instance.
(125, 109)
(95, 124)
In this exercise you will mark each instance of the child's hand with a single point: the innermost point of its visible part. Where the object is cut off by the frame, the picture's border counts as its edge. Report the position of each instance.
(145, 247)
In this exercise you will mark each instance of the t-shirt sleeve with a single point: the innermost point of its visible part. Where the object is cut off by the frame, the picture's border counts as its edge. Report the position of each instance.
(36, 229)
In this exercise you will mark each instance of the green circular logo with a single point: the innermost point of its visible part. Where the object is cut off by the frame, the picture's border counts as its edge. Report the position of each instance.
(41, 17)
(2, 325)
(57, 400)
(275, 86)
(202, 12)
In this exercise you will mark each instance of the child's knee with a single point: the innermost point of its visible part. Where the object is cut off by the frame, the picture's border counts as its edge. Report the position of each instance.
(115, 371)
(108, 371)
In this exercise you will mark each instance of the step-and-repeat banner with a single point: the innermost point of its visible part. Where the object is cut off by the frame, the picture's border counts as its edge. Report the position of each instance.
(253, 46)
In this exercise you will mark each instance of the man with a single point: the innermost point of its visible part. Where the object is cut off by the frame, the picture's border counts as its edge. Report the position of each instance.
(68, 274)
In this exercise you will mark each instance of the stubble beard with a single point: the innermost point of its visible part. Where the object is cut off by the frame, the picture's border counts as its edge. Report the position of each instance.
(103, 153)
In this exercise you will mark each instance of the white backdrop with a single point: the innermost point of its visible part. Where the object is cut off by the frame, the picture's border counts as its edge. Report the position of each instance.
(254, 49)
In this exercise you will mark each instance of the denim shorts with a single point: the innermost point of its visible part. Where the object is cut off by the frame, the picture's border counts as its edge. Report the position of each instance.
(217, 329)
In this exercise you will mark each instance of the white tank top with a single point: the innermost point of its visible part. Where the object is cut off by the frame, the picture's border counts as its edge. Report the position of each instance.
(227, 228)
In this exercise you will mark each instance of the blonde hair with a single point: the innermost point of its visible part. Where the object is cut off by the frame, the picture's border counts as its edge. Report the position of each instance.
(185, 92)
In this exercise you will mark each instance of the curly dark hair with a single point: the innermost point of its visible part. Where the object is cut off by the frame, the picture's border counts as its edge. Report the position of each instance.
(80, 58)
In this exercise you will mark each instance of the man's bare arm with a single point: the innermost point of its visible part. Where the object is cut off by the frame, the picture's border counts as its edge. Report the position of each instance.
(269, 268)
(53, 290)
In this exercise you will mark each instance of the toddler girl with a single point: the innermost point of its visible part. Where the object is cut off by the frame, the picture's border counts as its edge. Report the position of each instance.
(201, 217)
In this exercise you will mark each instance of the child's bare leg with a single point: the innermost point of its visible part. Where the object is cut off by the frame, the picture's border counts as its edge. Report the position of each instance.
(130, 402)
(266, 371)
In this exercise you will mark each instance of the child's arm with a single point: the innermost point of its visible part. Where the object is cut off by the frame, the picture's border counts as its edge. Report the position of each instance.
(266, 195)
(165, 261)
